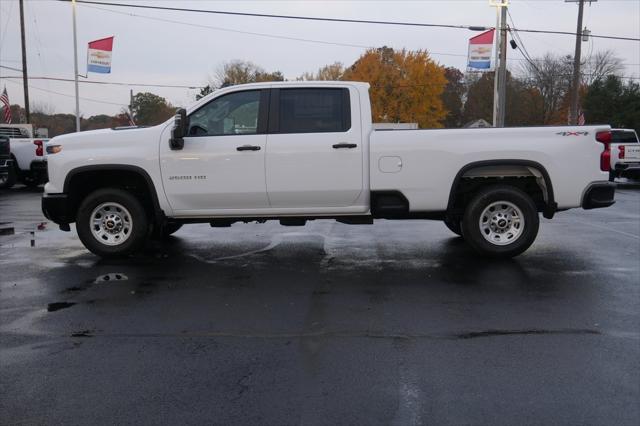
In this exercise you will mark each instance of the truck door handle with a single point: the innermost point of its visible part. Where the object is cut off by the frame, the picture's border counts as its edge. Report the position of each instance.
(345, 145)
(248, 148)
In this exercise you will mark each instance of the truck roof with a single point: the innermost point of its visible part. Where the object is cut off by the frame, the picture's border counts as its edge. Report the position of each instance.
(360, 85)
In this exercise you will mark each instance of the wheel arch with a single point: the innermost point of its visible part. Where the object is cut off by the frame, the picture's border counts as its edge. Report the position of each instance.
(550, 204)
(75, 176)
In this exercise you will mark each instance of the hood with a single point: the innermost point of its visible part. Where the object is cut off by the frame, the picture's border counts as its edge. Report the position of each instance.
(108, 136)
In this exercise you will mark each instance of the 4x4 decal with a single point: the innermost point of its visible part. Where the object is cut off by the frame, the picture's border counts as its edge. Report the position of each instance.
(572, 133)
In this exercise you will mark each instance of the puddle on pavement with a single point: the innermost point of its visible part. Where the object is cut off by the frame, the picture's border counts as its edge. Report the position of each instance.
(83, 333)
(52, 307)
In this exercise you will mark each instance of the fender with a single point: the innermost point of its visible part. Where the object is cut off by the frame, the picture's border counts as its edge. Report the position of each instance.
(551, 207)
(157, 211)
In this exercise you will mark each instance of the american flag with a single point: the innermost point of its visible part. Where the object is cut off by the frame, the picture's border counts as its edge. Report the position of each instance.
(4, 99)
(581, 118)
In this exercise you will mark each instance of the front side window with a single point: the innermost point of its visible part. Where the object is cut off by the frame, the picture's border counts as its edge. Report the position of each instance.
(314, 110)
(232, 114)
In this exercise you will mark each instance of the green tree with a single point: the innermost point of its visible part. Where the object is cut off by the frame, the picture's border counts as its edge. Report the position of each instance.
(611, 101)
(452, 97)
(149, 109)
(523, 103)
(204, 92)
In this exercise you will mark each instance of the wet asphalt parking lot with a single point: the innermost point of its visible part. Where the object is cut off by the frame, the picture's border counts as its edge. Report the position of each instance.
(398, 323)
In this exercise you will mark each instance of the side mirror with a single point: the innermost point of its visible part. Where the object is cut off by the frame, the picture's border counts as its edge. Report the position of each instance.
(179, 130)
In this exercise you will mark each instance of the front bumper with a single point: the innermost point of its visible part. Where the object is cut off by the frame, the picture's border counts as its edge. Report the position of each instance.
(598, 195)
(39, 171)
(5, 165)
(56, 208)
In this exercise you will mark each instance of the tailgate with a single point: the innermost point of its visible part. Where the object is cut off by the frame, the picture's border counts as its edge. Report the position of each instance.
(627, 153)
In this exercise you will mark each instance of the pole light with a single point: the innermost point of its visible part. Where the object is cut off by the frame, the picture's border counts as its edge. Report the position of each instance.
(75, 63)
(500, 67)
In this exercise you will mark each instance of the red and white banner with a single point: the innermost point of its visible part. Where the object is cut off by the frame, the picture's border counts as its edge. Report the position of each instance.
(99, 55)
(480, 50)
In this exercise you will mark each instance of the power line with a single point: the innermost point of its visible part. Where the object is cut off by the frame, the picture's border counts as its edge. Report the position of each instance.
(266, 15)
(306, 40)
(231, 30)
(340, 20)
(173, 86)
(71, 96)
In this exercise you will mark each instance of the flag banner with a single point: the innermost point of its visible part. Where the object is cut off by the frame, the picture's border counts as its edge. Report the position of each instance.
(6, 106)
(99, 55)
(480, 50)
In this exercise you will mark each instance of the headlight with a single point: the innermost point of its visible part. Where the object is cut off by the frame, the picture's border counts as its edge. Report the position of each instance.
(54, 149)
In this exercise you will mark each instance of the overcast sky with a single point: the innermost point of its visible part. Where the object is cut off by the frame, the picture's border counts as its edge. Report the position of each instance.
(186, 52)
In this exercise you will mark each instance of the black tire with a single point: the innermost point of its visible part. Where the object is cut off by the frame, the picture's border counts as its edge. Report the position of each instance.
(161, 233)
(525, 232)
(30, 181)
(139, 223)
(10, 179)
(453, 225)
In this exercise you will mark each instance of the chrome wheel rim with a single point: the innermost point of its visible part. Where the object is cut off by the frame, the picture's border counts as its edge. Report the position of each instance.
(111, 224)
(501, 223)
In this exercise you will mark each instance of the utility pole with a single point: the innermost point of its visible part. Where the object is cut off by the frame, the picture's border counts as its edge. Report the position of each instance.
(25, 78)
(575, 82)
(75, 62)
(500, 68)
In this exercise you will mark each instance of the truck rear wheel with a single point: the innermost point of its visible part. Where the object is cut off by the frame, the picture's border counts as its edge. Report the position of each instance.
(112, 223)
(501, 221)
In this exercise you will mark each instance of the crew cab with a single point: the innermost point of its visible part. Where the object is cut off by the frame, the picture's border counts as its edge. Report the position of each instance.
(625, 154)
(299, 151)
(28, 157)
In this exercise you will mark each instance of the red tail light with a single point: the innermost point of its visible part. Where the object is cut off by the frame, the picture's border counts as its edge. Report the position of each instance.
(605, 157)
(604, 137)
(39, 149)
(621, 152)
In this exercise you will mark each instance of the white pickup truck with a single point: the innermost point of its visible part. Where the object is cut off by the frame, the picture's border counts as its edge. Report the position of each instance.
(28, 158)
(298, 151)
(625, 154)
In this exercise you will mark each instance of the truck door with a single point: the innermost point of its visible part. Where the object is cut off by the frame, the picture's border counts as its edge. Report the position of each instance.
(314, 148)
(222, 163)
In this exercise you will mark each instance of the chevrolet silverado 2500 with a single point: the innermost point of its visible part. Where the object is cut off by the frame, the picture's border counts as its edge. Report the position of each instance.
(298, 151)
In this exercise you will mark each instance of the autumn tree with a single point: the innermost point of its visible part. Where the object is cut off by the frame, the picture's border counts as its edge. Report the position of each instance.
(242, 72)
(330, 72)
(238, 72)
(149, 109)
(406, 86)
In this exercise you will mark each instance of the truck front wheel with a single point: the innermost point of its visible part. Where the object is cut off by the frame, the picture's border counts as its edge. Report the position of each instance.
(453, 225)
(501, 221)
(111, 222)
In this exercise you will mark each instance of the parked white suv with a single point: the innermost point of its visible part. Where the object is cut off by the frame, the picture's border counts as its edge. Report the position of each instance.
(298, 151)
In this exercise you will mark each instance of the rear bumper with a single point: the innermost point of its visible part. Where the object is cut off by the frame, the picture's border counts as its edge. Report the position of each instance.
(598, 195)
(56, 208)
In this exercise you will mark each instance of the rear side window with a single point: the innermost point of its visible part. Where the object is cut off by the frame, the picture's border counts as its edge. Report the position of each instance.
(623, 137)
(313, 111)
